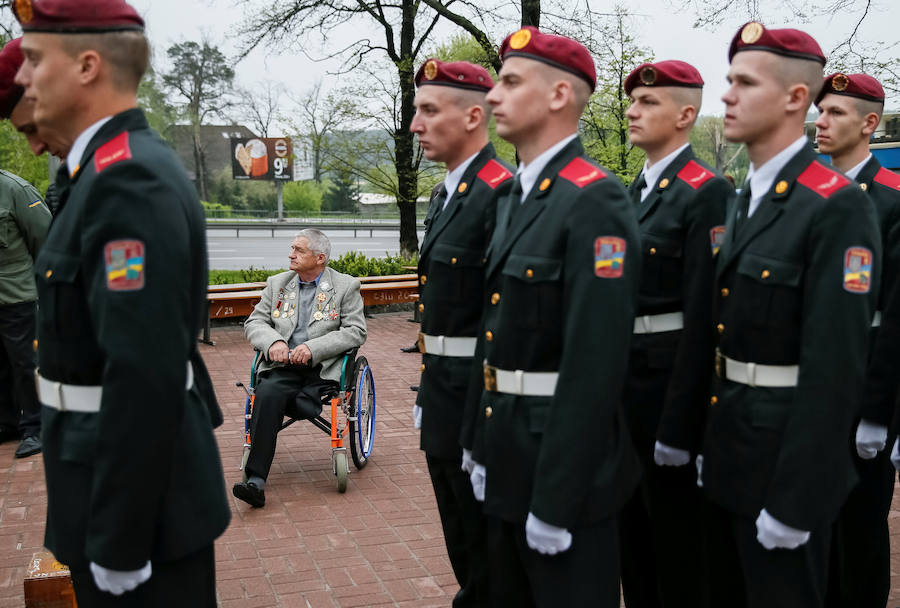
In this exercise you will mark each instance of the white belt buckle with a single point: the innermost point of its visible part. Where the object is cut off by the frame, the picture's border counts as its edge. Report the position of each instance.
(57, 386)
(441, 345)
(751, 374)
(648, 324)
(520, 381)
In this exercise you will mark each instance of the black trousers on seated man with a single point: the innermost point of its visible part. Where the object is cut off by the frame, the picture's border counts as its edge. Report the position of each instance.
(276, 397)
(193, 576)
(587, 574)
(743, 574)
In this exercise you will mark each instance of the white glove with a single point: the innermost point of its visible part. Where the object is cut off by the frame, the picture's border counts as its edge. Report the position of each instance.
(544, 538)
(478, 477)
(895, 454)
(118, 582)
(467, 463)
(667, 456)
(772, 534)
(699, 464)
(870, 439)
(417, 417)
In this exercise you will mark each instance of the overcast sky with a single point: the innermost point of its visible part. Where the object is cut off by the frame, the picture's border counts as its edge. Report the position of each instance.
(659, 26)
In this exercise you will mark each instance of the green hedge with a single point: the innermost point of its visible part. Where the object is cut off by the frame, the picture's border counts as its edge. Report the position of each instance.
(352, 263)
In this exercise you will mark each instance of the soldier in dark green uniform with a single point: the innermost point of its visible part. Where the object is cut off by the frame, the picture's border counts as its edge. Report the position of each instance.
(797, 280)
(451, 123)
(136, 494)
(554, 462)
(680, 203)
(850, 108)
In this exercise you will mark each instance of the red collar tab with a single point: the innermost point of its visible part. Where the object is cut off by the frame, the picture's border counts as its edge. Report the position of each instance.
(581, 173)
(112, 152)
(822, 180)
(887, 178)
(494, 174)
(695, 175)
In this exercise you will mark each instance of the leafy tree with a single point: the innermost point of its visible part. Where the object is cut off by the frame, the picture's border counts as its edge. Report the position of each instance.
(304, 198)
(343, 195)
(319, 117)
(709, 143)
(201, 78)
(16, 157)
(153, 100)
(260, 105)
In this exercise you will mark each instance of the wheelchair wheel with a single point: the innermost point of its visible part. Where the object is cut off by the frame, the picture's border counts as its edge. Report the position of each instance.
(362, 429)
(341, 470)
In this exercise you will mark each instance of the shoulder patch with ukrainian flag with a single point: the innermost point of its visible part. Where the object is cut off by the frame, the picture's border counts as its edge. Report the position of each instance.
(858, 270)
(694, 174)
(124, 265)
(494, 174)
(822, 180)
(887, 178)
(609, 257)
(112, 152)
(716, 238)
(581, 173)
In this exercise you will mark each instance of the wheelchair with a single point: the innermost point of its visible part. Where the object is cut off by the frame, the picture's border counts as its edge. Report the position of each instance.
(352, 416)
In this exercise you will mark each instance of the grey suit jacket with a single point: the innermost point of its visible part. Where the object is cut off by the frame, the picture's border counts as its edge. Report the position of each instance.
(341, 327)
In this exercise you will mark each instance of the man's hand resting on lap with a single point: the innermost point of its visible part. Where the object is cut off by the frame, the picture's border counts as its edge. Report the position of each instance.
(301, 355)
(279, 352)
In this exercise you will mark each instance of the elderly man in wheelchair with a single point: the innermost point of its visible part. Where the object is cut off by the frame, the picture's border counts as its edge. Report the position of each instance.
(307, 319)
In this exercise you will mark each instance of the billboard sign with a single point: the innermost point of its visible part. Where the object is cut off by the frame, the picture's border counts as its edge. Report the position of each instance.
(261, 158)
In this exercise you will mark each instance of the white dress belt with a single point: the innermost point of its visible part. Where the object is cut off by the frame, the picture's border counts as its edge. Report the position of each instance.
(80, 398)
(447, 346)
(876, 320)
(654, 324)
(756, 374)
(518, 382)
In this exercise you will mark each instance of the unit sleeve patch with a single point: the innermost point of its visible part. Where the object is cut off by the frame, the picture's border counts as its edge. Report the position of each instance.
(695, 175)
(124, 265)
(887, 178)
(609, 257)
(716, 238)
(494, 174)
(822, 180)
(858, 270)
(581, 173)
(112, 152)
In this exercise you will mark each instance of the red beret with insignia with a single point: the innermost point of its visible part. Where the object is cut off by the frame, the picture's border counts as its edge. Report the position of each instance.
(558, 51)
(11, 59)
(76, 16)
(671, 73)
(852, 85)
(459, 74)
(787, 42)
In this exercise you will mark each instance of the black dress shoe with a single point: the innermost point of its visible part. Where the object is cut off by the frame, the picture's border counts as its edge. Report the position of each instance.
(29, 447)
(9, 434)
(249, 493)
(411, 349)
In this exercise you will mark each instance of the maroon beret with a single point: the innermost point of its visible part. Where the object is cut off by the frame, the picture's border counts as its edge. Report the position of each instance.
(11, 59)
(852, 85)
(788, 42)
(76, 16)
(558, 51)
(459, 74)
(671, 73)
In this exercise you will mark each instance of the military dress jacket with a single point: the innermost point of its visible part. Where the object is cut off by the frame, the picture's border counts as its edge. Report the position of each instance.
(451, 294)
(562, 280)
(682, 226)
(796, 285)
(122, 282)
(882, 377)
(336, 323)
(24, 221)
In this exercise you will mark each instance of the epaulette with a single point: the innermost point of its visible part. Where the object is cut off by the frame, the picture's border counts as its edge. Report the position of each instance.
(581, 173)
(822, 180)
(494, 174)
(112, 152)
(695, 175)
(887, 178)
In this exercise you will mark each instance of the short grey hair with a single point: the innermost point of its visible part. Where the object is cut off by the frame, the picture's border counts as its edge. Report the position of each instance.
(318, 242)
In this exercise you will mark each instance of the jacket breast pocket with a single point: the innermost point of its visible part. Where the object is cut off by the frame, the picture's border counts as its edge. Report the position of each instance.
(63, 307)
(771, 293)
(6, 228)
(662, 259)
(534, 286)
(458, 268)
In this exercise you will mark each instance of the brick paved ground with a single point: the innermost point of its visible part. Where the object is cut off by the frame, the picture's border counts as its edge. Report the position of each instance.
(378, 544)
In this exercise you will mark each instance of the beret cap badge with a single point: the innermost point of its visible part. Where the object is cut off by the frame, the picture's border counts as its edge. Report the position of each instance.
(431, 70)
(24, 11)
(839, 82)
(520, 39)
(752, 32)
(648, 75)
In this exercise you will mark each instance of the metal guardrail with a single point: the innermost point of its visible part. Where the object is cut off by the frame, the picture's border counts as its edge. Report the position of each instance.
(355, 224)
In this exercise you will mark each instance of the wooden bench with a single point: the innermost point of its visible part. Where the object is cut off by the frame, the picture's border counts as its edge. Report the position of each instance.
(48, 584)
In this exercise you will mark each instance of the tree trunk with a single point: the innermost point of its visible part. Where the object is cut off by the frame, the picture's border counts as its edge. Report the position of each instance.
(199, 165)
(404, 144)
(531, 13)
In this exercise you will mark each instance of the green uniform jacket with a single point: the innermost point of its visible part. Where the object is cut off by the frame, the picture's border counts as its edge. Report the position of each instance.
(24, 221)
(797, 285)
(565, 273)
(451, 294)
(682, 224)
(882, 377)
(122, 293)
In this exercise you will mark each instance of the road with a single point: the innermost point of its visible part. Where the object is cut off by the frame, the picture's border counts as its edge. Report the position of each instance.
(260, 250)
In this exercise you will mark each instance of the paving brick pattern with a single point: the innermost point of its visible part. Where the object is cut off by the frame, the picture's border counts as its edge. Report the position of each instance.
(379, 544)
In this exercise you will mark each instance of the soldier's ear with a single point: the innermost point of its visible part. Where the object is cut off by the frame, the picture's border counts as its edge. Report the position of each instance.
(90, 64)
(475, 117)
